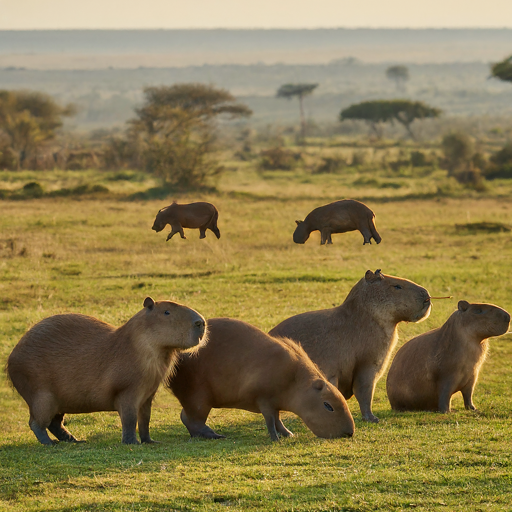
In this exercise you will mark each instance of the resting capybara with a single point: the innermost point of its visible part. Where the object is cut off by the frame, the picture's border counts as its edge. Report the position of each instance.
(352, 343)
(194, 215)
(242, 367)
(430, 368)
(338, 217)
(76, 364)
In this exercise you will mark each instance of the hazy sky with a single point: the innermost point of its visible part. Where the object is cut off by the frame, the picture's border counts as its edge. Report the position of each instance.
(67, 14)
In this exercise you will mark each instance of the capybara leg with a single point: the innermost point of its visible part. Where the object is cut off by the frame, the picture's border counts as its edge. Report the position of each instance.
(325, 236)
(445, 397)
(271, 418)
(282, 429)
(364, 387)
(367, 236)
(57, 428)
(170, 235)
(467, 394)
(198, 428)
(182, 233)
(40, 433)
(128, 415)
(143, 421)
(202, 233)
(216, 231)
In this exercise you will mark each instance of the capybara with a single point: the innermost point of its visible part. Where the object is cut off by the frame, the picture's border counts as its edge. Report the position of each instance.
(338, 217)
(430, 368)
(194, 215)
(242, 367)
(352, 343)
(76, 364)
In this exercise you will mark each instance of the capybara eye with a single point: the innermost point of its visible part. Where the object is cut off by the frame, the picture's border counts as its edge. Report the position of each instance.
(328, 406)
(398, 287)
(167, 312)
(478, 311)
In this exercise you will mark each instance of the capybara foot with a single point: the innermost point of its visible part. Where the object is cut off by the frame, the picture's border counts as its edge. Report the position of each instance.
(201, 236)
(149, 441)
(206, 433)
(41, 434)
(217, 233)
(371, 418)
(130, 440)
(471, 407)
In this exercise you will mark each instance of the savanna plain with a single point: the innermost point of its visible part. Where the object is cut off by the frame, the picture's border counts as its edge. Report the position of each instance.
(96, 254)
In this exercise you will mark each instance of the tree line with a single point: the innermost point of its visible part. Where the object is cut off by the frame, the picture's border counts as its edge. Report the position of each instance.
(174, 133)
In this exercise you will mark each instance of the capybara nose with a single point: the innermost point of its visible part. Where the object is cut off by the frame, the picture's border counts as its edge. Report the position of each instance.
(199, 323)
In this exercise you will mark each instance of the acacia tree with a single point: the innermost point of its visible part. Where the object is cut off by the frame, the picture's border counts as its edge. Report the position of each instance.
(28, 120)
(176, 131)
(382, 111)
(503, 70)
(400, 75)
(300, 91)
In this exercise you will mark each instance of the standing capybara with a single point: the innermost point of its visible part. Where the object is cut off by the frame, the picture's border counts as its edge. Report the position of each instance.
(430, 368)
(77, 364)
(245, 368)
(338, 217)
(194, 215)
(352, 343)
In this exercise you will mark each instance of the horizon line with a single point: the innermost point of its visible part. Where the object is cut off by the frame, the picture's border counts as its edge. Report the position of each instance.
(252, 28)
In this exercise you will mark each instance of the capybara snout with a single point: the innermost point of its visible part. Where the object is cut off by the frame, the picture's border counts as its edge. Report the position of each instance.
(326, 412)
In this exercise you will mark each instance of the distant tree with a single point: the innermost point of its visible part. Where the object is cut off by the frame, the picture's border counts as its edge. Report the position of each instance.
(300, 91)
(382, 111)
(175, 130)
(503, 70)
(399, 74)
(28, 120)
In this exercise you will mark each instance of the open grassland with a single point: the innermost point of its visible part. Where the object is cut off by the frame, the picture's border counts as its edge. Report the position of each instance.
(98, 256)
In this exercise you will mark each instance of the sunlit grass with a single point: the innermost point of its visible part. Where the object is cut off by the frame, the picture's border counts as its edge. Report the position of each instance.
(100, 257)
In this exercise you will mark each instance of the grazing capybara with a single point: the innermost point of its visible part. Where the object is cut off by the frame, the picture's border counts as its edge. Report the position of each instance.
(194, 215)
(352, 343)
(430, 368)
(338, 217)
(242, 367)
(76, 364)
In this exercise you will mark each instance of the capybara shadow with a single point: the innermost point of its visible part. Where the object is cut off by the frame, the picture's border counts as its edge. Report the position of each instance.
(199, 215)
(352, 343)
(432, 367)
(338, 217)
(75, 364)
(242, 367)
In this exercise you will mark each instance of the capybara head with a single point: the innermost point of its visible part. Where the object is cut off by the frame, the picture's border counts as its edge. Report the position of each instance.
(392, 297)
(169, 324)
(160, 222)
(325, 411)
(483, 320)
(301, 233)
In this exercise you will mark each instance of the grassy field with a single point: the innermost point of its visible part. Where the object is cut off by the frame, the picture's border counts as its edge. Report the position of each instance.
(97, 255)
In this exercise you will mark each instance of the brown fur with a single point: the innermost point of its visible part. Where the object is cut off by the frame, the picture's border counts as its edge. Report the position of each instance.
(352, 343)
(77, 364)
(338, 217)
(200, 216)
(430, 368)
(245, 368)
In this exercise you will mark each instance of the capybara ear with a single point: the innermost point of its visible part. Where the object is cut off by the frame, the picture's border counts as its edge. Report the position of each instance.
(371, 277)
(149, 303)
(463, 305)
(318, 384)
(298, 222)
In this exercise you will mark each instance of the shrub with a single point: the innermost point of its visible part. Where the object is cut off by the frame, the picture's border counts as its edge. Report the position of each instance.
(279, 159)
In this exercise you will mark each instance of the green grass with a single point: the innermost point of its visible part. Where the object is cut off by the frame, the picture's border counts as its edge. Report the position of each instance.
(100, 257)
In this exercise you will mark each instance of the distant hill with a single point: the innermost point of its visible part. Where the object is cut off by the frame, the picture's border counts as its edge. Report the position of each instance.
(93, 49)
